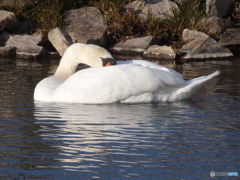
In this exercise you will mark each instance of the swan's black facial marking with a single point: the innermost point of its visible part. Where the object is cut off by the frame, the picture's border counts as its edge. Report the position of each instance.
(108, 61)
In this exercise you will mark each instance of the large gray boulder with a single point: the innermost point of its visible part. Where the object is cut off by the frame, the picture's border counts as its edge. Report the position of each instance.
(8, 20)
(202, 46)
(86, 25)
(160, 9)
(60, 39)
(134, 46)
(230, 37)
(214, 26)
(219, 8)
(27, 46)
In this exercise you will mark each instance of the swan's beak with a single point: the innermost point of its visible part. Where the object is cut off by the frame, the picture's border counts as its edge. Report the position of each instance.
(108, 61)
(109, 64)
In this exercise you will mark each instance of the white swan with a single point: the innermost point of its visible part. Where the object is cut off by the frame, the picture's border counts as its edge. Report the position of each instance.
(135, 81)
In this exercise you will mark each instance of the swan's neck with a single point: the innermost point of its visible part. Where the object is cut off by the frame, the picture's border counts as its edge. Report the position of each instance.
(80, 53)
(67, 67)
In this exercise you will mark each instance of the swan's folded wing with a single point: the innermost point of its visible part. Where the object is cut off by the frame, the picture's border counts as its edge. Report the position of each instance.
(177, 77)
(114, 83)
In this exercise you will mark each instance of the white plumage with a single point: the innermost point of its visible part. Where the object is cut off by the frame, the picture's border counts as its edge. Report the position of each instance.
(135, 81)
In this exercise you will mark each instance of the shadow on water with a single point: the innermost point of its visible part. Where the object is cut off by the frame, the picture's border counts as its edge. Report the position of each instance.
(186, 139)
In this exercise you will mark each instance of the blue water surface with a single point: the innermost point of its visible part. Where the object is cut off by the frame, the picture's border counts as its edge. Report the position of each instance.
(181, 140)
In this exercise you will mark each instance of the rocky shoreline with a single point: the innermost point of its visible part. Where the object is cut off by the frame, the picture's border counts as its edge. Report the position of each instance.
(217, 38)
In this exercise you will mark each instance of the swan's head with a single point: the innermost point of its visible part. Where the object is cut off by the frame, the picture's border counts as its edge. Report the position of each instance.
(108, 61)
(98, 56)
(92, 55)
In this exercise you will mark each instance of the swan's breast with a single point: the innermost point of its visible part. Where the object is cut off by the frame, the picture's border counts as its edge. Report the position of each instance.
(45, 89)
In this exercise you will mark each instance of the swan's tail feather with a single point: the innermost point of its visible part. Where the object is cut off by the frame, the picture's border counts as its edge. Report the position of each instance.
(192, 86)
(206, 78)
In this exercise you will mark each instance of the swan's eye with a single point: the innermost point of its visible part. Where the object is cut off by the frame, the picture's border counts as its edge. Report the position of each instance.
(108, 61)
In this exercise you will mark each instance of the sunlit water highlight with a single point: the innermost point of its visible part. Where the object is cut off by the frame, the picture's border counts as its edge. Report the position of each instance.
(186, 139)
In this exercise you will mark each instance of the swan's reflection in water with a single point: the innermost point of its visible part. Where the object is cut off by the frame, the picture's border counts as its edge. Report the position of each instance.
(122, 140)
(118, 135)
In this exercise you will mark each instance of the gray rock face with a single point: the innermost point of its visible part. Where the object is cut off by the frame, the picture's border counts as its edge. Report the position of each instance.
(60, 39)
(142, 42)
(8, 20)
(27, 46)
(214, 26)
(86, 25)
(191, 35)
(157, 8)
(134, 46)
(208, 48)
(202, 46)
(219, 8)
(230, 37)
(160, 52)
